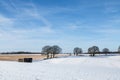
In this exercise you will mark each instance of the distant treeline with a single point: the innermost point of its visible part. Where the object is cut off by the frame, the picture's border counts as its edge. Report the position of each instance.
(21, 52)
(105, 52)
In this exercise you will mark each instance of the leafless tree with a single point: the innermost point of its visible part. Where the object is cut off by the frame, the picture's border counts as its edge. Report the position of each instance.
(77, 51)
(92, 50)
(119, 49)
(56, 50)
(106, 50)
(51, 50)
(47, 50)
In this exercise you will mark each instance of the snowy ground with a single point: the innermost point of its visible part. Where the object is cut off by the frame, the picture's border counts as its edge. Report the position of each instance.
(70, 68)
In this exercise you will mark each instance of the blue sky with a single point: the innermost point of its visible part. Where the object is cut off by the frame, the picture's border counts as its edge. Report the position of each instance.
(28, 25)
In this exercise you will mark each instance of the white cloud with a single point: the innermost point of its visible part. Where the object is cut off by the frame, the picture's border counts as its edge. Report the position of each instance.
(5, 22)
(73, 27)
(115, 20)
(109, 31)
(111, 7)
(47, 30)
(36, 31)
(16, 34)
(10, 30)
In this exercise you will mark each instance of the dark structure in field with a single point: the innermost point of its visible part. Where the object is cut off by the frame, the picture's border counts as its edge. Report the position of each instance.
(25, 60)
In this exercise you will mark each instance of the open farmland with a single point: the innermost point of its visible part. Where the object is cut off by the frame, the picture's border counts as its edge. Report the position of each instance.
(15, 57)
(69, 68)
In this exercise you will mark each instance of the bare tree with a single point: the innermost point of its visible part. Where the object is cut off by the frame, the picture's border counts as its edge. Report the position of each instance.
(47, 50)
(106, 50)
(51, 50)
(56, 50)
(119, 49)
(93, 50)
(77, 51)
(90, 51)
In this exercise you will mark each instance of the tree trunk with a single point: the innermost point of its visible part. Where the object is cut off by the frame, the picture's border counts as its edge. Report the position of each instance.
(93, 54)
(47, 55)
(106, 53)
(74, 53)
(77, 54)
(53, 55)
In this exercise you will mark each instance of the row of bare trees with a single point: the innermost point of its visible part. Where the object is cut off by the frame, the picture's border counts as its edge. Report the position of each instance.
(51, 51)
(92, 50)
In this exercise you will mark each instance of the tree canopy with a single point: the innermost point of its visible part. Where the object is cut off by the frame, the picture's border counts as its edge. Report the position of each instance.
(51, 50)
(119, 49)
(77, 50)
(92, 50)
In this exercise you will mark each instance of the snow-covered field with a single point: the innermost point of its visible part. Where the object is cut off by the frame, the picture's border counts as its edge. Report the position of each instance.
(70, 68)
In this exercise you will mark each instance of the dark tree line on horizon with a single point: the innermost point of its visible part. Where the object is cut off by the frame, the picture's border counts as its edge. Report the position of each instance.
(51, 51)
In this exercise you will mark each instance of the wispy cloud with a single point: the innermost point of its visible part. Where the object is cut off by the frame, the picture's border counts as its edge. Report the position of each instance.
(73, 26)
(76, 23)
(109, 31)
(11, 33)
(4, 21)
(112, 7)
(22, 17)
